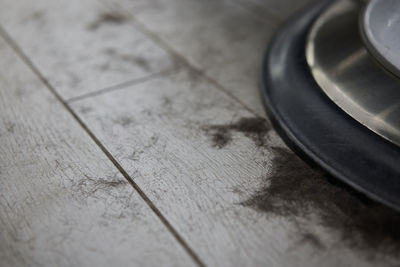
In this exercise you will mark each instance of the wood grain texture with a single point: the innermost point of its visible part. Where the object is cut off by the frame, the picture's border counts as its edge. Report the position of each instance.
(62, 202)
(221, 38)
(158, 132)
(277, 10)
(225, 39)
(82, 46)
(184, 141)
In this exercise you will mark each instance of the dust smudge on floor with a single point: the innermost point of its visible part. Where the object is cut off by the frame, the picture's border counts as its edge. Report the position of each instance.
(296, 191)
(107, 18)
(124, 121)
(312, 239)
(255, 128)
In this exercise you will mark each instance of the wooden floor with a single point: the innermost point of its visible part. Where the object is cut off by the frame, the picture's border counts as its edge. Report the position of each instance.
(132, 134)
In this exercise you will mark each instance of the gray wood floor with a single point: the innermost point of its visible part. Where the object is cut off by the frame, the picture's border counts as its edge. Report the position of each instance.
(132, 134)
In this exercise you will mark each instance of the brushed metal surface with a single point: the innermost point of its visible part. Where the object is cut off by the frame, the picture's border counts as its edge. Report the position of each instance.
(349, 75)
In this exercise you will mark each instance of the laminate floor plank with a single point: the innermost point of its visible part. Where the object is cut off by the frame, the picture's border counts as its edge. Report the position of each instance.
(62, 202)
(200, 157)
(195, 144)
(220, 38)
(82, 46)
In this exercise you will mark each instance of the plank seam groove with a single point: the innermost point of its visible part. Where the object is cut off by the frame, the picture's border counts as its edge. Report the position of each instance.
(122, 85)
(147, 200)
(164, 45)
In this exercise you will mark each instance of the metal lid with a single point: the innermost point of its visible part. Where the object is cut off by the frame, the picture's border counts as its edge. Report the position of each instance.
(380, 29)
(349, 75)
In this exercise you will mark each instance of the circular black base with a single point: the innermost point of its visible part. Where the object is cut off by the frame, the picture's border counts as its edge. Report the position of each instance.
(312, 125)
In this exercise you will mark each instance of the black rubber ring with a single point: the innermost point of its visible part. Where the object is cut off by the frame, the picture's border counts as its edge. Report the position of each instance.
(312, 125)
